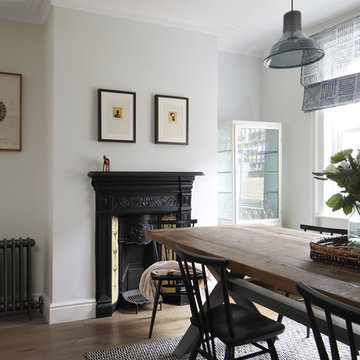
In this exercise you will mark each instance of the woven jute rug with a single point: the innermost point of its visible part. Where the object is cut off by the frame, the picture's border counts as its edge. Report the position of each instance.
(292, 345)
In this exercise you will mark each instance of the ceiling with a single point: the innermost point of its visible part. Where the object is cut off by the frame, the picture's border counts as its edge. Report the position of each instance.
(248, 27)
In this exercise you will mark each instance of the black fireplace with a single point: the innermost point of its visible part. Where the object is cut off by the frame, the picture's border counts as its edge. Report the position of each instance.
(132, 198)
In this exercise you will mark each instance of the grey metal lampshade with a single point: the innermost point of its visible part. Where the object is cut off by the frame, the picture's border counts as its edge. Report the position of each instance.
(294, 48)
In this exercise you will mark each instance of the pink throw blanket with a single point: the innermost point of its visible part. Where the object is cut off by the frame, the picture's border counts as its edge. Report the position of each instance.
(147, 285)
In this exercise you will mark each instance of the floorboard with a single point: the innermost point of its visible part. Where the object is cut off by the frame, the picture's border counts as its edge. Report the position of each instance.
(21, 339)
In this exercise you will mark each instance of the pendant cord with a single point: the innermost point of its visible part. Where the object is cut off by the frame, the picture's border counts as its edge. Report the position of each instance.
(292, 5)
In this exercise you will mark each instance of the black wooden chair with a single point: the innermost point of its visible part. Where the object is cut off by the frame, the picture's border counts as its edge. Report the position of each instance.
(321, 229)
(170, 285)
(349, 313)
(233, 324)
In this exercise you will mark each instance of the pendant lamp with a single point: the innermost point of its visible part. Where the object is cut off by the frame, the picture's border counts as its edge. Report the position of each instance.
(294, 48)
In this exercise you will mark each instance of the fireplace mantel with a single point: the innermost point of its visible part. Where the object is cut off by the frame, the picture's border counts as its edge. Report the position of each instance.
(121, 193)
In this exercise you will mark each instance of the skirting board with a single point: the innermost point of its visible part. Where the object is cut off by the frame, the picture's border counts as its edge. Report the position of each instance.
(61, 312)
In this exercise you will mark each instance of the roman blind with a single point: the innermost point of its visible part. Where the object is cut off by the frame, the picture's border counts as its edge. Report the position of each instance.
(334, 80)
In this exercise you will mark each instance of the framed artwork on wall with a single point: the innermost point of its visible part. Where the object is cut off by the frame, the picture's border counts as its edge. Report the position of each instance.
(10, 111)
(171, 120)
(117, 115)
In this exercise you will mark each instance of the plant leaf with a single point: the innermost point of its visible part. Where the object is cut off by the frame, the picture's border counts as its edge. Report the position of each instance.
(335, 202)
(348, 205)
(340, 156)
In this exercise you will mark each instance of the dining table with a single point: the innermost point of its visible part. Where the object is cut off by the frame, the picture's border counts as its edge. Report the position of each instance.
(267, 262)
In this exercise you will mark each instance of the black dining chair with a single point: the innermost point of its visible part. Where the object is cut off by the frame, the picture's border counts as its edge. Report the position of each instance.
(322, 229)
(169, 285)
(350, 314)
(233, 324)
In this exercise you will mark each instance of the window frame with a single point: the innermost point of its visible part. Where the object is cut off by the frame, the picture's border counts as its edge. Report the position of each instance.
(321, 217)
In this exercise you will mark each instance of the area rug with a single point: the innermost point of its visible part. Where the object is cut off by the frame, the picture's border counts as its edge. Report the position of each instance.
(291, 345)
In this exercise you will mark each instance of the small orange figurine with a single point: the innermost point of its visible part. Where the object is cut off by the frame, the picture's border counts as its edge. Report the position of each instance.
(106, 164)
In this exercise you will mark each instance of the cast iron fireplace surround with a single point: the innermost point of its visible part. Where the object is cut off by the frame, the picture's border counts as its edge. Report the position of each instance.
(125, 195)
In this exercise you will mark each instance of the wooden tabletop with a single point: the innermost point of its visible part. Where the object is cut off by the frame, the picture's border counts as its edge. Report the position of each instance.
(277, 257)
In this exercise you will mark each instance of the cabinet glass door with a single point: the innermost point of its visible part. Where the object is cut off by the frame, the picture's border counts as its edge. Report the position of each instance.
(256, 173)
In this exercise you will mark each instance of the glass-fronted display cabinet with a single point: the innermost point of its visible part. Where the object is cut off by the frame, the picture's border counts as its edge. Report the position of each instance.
(249, 172)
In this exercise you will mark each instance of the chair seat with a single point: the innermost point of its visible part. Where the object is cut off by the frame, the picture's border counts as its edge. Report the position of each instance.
(170, 277)
(249, 326)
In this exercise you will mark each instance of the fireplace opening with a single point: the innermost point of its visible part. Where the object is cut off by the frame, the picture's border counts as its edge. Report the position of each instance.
(136, 253)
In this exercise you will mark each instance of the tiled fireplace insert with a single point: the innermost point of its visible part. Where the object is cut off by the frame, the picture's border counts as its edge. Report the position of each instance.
(124, 202)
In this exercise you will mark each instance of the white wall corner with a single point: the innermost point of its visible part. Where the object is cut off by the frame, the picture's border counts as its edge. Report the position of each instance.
(45, 309)
(44, 10)
(74, 310)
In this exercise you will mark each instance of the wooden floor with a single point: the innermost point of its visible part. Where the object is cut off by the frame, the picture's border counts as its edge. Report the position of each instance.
(21, 339)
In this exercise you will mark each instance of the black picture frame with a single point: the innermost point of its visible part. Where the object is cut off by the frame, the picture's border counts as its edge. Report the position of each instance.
(116, 116)
(171, 120)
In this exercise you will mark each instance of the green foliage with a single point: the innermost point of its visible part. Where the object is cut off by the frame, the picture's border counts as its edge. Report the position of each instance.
(341, 156)
(345, 171)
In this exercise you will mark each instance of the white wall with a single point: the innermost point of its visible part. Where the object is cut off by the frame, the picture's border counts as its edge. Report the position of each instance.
(239, 87)
(282, 100)
(24, 175)
(95, 51)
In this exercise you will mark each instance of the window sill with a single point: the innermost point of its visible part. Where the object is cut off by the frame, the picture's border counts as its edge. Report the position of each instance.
(334, 221)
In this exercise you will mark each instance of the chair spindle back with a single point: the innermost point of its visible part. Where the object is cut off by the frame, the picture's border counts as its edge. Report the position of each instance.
(331, 307)
(201, 306)
(163, 252)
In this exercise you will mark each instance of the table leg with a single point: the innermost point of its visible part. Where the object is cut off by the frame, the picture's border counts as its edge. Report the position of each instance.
(191, 336)
(246, 303)
(187, 342)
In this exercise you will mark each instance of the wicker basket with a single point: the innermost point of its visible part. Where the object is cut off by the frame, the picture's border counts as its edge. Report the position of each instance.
(335, 250)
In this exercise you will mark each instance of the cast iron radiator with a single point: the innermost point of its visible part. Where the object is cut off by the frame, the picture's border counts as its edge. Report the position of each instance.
(15, 275)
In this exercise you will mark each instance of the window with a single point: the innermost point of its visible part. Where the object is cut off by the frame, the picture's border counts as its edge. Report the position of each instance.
(340, 129)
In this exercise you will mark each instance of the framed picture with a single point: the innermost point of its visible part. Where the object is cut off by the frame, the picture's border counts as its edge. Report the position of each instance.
(10, 111)
(171, 120)
(117, 115)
